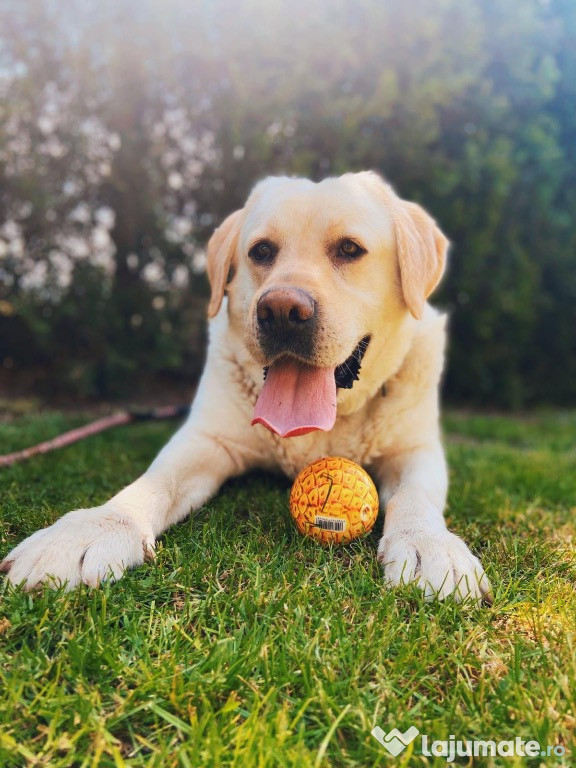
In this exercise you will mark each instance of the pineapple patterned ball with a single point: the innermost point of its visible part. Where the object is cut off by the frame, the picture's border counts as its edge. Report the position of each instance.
(333, 500)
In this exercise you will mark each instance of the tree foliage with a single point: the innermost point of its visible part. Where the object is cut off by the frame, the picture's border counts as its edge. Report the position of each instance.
(128, 129)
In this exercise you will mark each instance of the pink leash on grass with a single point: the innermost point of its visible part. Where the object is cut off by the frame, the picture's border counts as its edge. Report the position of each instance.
(74, 435)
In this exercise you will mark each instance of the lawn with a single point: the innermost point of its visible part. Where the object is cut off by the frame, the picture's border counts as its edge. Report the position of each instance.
(245, 645)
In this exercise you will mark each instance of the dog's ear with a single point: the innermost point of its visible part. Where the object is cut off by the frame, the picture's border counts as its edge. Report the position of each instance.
(219, 258)
(421, 250)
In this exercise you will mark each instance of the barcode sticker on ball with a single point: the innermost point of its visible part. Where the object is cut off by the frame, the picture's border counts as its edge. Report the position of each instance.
(330, 523)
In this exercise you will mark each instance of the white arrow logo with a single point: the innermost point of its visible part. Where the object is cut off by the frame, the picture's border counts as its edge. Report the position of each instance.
(395, 741)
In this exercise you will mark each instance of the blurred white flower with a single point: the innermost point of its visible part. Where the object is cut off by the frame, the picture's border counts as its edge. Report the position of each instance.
(105, 216)
(274, 128)
(70, 188)
(114, 142)
(104, 259)
(180, 277)
(53, 147)
(62, 266)
(178, 229)
(189, 145)
(25, 209)
(46, 124)
(80, 214)
(101, 238)
(34, 277)
(73, 245)
(16, 246)
(10, 229)
(175, 180)
(153, 273)
(199, 262)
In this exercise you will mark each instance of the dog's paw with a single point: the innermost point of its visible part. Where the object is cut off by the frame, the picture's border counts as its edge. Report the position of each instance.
(85, 546)
(439, 563)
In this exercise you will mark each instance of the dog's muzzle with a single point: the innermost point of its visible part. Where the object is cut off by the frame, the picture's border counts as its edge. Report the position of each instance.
(287, 322)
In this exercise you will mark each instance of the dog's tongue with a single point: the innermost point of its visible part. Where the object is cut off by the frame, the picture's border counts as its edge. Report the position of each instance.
(296, 399)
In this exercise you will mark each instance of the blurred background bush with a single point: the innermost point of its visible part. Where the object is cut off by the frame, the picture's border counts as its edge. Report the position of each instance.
(130, 128)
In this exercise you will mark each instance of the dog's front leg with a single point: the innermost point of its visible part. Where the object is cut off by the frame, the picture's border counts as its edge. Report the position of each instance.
(416, 545)
(90, 545)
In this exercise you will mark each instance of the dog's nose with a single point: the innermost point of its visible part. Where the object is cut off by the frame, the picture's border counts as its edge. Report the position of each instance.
(285, 309)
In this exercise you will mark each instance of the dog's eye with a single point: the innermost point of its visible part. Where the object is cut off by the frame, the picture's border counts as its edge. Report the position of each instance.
(348, 249)
(262, 252)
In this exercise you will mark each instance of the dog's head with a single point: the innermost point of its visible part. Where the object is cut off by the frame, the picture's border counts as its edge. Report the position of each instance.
(322, 280)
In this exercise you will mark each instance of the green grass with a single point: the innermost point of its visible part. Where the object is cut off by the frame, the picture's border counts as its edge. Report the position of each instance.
(245, 645)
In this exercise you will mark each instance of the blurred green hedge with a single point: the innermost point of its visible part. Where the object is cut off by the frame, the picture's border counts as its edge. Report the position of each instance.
(129, 129)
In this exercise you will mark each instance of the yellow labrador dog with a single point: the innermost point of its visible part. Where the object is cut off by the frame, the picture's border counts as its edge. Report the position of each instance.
(321, 343)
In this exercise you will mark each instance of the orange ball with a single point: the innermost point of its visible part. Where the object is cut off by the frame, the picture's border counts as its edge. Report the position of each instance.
(333, 500)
